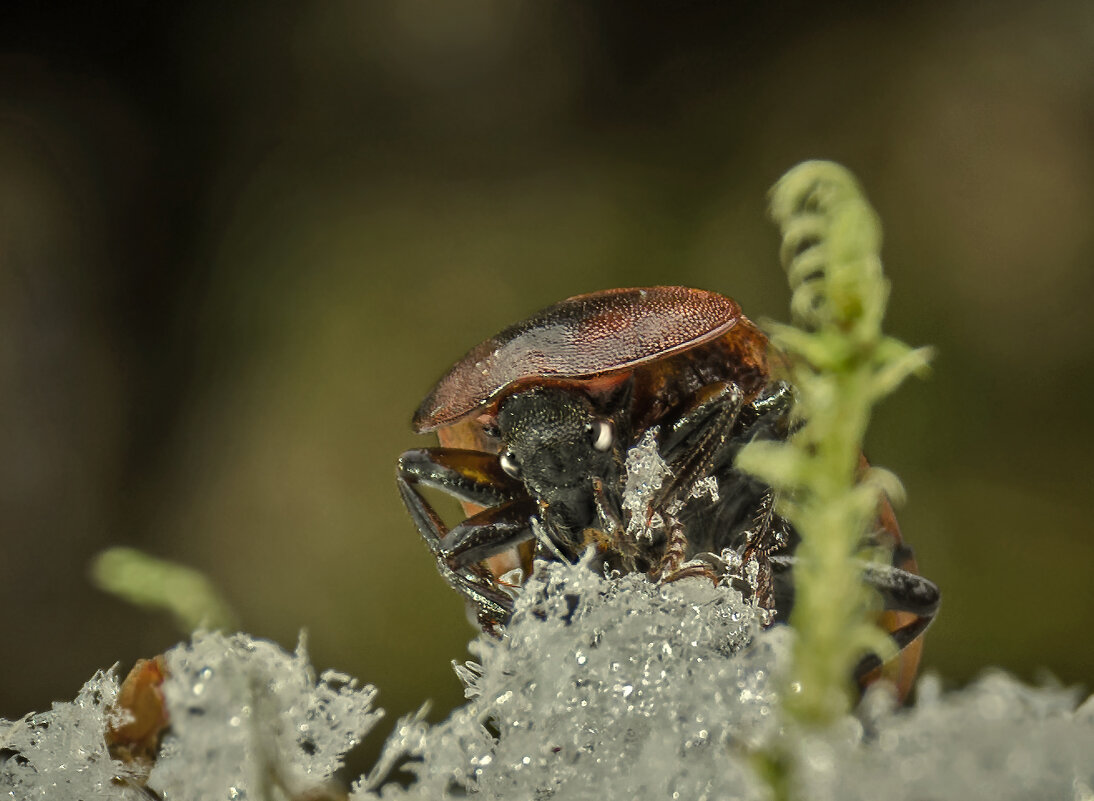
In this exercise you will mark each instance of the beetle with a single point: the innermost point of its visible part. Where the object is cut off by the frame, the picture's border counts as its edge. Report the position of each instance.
(536, 425)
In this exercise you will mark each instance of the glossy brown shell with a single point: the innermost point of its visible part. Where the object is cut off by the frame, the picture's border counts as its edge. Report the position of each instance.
(581, 337)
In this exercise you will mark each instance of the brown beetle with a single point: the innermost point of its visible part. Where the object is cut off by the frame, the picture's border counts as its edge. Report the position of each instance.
(536, 424)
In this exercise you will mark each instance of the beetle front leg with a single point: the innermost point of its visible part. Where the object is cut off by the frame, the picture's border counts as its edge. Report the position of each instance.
(467, 475)
(692, 444)
(691, 447)
(473, 476)
(702, 442)
(766, 415)
(489, 533)
(492, 607)
(705, 437)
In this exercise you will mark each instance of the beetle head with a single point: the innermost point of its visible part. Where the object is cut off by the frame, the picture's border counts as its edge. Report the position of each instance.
(554, 442)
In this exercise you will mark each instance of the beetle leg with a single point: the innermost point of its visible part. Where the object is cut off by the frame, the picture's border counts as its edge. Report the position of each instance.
(472, 476)
(903, 637)
(678, 437)
(690, 447)
(612, 526)
(702, 443)
(695, 440)
(701, 440)
(767, 535)
(676, 546)
(606, 508)
(467, 475)
(489, 533)
(914, 602)
(492, 607)
(770, 412)
(900, 591)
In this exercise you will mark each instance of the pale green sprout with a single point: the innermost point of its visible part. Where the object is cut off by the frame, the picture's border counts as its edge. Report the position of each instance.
(840, 364)
(187, 594)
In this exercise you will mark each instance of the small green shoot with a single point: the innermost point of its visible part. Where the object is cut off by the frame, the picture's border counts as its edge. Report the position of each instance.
(840, 364)
(154, 583)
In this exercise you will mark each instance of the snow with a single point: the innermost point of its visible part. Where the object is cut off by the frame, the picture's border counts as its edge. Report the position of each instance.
(646, 472)
(602, 688)
(61, 754)
(249, 720)
(585, 694)
(616, 688)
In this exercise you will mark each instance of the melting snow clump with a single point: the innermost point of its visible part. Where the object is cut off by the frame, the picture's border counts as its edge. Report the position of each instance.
(617, 688)
(996, 740)
(610, 688)
(646, 472)
(601, 688)
(249, 721)
(62, 754)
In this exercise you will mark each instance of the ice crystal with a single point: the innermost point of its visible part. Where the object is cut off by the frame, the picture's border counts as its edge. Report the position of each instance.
(705, 486)
(997, 740)
(618, 688)
(249, 720)
(610, 688)
(62, 754)
(646, 471)
(601, 688)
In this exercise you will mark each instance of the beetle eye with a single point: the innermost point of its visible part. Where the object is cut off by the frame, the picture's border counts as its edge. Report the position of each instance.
(603, 435)
(509, 464)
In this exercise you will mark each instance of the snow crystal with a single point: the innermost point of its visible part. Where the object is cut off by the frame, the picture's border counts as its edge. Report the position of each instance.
(646, 472)
(601, 688)
(619, 688)
(248, 720)
(609, 688)
(61, 755)
(997, 739)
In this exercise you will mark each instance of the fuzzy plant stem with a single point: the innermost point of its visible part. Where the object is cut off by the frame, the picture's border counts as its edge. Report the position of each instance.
(840, 364)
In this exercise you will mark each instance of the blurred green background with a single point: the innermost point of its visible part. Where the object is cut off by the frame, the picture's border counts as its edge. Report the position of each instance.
(240, 241)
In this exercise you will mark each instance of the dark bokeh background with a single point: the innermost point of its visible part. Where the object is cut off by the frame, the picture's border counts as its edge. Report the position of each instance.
(238, 243)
